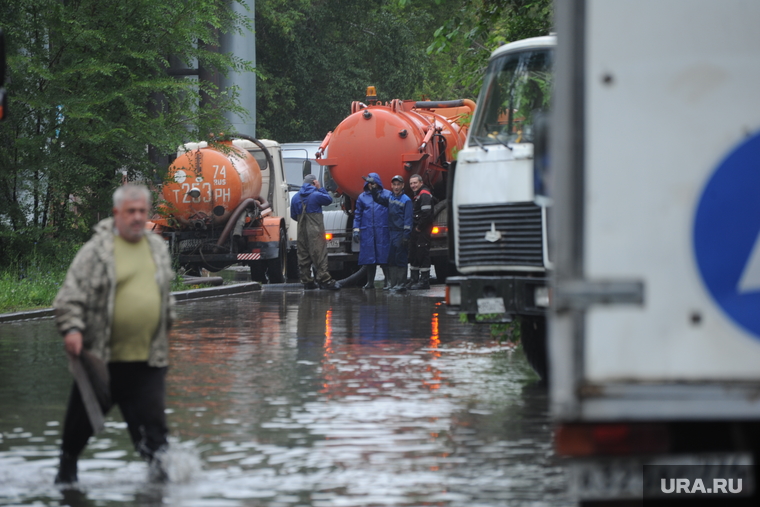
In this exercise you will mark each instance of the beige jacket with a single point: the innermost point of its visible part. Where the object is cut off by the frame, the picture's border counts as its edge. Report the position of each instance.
(86, 299)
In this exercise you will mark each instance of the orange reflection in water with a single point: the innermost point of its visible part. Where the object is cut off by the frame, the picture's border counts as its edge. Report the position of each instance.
(435, 337)
(435, 341)
(328, 330)
(348, 370)
(328, 367)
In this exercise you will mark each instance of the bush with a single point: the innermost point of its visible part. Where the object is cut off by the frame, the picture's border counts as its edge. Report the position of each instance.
(32, 278)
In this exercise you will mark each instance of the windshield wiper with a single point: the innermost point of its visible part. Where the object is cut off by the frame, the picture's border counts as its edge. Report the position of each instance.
(501, 142)
(479, 143)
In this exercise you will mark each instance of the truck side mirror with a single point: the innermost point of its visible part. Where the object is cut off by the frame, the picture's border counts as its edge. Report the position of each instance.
(306, 168)
(331, 186)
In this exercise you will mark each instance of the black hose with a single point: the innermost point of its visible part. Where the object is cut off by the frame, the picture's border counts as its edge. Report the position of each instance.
(354, 279)
(234, 218)
(428, 104)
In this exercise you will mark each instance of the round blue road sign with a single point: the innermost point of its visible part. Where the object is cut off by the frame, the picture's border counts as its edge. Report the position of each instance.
(727, 235)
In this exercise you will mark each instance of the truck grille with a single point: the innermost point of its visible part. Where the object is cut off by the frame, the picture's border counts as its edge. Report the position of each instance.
(521, 242)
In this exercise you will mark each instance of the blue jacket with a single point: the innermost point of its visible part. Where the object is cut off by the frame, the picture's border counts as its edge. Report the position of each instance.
(371, 219)
(400, 217)
(314, 198)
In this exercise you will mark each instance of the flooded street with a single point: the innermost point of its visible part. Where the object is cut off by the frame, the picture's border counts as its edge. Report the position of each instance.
(292, 398)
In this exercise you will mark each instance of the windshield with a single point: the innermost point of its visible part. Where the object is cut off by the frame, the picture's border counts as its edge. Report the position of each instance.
(293, 169)
(516, 87)
(294, 178)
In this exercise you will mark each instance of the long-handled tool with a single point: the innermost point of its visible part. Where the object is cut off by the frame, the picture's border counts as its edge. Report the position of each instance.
(91, 376)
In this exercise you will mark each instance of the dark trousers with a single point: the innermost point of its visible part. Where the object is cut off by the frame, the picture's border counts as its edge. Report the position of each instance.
(397, 253)
(419, 250)
(139, 390)
(312, 248)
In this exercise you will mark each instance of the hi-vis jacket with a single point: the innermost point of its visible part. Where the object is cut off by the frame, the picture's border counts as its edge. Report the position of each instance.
(423, 210)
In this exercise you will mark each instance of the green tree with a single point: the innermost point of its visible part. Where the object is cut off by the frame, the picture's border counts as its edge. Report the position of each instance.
(91, 98)
(315, 58)
(477, 27)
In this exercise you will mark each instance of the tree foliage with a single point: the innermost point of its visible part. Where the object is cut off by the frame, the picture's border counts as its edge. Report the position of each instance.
(89, 93)
(91, 99)
(316, 57)
(480, 26)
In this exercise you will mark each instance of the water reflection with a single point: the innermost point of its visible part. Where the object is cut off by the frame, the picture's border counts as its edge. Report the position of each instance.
(293, 398)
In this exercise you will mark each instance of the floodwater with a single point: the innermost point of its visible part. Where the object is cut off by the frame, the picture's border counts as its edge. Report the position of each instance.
(292, 398)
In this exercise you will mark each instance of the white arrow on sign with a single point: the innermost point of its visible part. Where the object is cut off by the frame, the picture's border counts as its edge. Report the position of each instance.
(750, 280)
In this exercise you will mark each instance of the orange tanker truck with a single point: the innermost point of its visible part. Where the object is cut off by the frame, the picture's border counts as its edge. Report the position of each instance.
(402, 137)
(223, 204)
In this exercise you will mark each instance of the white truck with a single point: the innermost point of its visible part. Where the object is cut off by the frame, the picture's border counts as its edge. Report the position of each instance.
(498, 212)
(299, 159)
(654, 332)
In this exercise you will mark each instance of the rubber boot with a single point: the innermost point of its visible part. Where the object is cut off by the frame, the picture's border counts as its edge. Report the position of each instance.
(67, 470)
(399, 279)
(392, 278)
(371, 270)
(414, 279)
(403, 283)
(387, 284)
(157, 472)
(424, 282)
(330, 285)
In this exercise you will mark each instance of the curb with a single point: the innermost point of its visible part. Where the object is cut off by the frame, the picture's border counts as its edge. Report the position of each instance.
(224, 290)
(179, 296)
(33, 314)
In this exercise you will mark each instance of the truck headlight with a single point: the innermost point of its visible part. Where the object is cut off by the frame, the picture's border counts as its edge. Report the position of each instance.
(543, 297)
(454, 295)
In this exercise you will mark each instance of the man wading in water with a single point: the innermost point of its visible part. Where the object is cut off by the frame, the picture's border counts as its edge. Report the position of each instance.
(116, 304)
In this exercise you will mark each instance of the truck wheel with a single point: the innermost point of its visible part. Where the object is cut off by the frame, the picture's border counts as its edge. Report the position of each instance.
(293, 273)
(276, 267)
(533, 339)
(441, 265)
(258, 272)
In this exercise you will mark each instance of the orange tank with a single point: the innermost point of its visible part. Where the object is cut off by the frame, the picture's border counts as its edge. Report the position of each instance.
(205, 185)
(401, 137)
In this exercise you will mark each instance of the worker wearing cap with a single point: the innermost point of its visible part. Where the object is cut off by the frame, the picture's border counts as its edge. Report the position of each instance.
(400, 222)
(422, 230)
(306, 209)
(371, 227)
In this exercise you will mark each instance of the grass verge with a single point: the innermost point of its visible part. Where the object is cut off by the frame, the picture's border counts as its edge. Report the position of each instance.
(29, 289)
(35, 287)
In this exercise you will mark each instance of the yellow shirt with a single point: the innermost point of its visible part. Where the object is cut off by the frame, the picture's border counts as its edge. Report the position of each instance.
(137, 304)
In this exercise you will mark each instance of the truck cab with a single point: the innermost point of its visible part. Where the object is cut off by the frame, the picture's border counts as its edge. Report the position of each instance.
(498, 230)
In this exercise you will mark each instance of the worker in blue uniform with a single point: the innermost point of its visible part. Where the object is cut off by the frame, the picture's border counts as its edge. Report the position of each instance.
(400, 220)
(306, 209)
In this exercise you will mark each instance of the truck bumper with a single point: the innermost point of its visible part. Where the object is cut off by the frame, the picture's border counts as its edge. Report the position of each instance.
(507, 295)
(256, 251)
